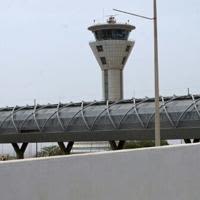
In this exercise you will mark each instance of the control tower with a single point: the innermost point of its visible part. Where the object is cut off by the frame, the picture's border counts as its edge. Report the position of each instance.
(112, 49)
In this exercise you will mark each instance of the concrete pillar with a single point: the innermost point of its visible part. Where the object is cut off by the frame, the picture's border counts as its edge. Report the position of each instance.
(115, 146)
(20, 150)
(64, 149)
(115, 85)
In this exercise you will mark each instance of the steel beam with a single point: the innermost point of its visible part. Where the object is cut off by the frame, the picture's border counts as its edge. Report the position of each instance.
(116, 135)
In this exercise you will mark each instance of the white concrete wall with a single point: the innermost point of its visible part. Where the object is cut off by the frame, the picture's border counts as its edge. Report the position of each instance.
(169, 173)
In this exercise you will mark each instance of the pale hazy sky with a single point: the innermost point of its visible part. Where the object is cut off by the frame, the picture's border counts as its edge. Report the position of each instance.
(44, 51)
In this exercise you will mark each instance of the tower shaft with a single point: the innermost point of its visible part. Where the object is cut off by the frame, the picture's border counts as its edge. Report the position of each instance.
(112, 84)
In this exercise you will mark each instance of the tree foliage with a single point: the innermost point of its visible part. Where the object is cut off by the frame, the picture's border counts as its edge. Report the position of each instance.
(55, 150)
(141, 144)
(50, 151)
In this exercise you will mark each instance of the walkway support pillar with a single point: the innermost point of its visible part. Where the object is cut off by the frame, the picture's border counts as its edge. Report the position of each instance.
(188, 141)
(115, 146)
(20, 150)
(66, 149)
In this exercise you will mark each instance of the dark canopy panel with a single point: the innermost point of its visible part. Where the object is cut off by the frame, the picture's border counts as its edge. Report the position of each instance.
(101, 121)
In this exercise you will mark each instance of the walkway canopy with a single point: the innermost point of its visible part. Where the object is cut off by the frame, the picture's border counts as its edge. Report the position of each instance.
(101, 121)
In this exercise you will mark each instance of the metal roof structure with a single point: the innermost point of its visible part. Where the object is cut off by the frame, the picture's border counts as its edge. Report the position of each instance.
(131, 119)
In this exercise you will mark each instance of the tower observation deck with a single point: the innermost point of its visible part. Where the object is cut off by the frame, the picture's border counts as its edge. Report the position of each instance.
(112, 49)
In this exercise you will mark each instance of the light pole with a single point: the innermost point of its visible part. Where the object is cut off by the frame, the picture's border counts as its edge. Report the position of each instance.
(156, 68)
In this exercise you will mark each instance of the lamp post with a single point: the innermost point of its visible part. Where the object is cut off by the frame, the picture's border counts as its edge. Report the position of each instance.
(156, 68)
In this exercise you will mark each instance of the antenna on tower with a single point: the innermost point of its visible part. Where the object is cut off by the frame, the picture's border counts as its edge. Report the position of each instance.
(188, 91)
(111, 19)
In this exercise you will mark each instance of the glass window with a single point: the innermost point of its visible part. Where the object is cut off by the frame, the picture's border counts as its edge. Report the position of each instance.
(106, 84)
(112, 34)
(99, 48)
(128, 48)
(103, 60)
(119, 34)
(123, 60)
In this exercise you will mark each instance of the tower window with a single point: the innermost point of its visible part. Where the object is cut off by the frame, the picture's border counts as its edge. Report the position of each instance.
(103, 60)
(111, 34)
(99, 48)
(124, 60)
(105, 72)
(128, 48)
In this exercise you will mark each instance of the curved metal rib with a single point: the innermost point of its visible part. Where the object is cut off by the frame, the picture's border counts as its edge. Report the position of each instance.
(35, 119)
(107, 107)
(83, 116)
(138, 116)
(97, 117)
(58, 116)
(6, 117)
(165, 109)
(147, 125)
(78, 113)
(195, 105)
(133, 107)
(109, 116)
(13, 121)
(12, 116)
(183, 113)
(161, 106)
(22, 124)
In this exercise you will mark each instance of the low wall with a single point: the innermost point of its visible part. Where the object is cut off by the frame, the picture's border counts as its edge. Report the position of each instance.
(167, 173)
